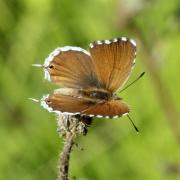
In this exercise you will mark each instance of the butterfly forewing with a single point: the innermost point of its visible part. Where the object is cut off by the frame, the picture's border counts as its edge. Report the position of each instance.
(113, 61)
(72, 69)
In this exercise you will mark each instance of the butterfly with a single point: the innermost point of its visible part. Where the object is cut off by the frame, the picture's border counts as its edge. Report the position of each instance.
(89, 80)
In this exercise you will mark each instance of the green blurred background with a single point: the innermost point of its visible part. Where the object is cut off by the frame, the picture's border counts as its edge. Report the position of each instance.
(29, 143)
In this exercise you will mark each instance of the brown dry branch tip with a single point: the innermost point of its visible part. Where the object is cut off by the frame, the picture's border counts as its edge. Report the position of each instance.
(150, 62)
(69, 127)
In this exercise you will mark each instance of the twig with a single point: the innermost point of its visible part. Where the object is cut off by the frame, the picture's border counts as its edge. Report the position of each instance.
(68, 128)
(163, 95)
(160, 86)
(65, 156)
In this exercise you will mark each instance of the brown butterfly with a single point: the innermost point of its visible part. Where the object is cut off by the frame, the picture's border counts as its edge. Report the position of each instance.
(90, 79)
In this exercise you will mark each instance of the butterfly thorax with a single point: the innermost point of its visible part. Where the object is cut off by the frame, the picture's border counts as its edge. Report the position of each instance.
(98, 94)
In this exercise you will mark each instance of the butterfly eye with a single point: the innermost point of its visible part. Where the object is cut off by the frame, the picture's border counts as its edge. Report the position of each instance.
(48, 101)
(51, 66)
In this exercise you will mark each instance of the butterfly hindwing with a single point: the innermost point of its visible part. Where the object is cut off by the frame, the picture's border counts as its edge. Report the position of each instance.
(108, 109)
(69, 103)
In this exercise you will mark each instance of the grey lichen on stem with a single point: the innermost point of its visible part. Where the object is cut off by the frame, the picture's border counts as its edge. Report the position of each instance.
(69, 127)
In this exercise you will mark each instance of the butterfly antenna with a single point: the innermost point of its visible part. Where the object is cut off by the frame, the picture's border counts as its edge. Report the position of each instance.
(140, 76)
(133, 124)
(35, 100)
(37, 65)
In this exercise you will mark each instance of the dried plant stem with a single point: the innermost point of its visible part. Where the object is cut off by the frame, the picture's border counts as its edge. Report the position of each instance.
(160, 86)
(65, 156)
(69, 127)
(163, 95)
(161, 89)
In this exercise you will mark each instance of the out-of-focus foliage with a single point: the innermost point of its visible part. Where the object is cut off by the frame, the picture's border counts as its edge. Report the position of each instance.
(30, 30)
